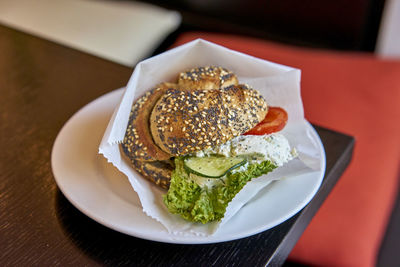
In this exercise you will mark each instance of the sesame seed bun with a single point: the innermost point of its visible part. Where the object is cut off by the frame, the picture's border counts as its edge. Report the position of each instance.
(205, 108)
(138, 142)
(158, 172)
(183, 121)
(209, 77)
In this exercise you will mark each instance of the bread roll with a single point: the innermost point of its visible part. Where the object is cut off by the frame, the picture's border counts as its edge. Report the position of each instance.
(138, 143)
(209, 77)
(183, 121)
(206, 108)
(158, 172)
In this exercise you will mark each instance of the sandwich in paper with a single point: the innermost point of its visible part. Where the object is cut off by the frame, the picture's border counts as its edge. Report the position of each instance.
(203, 138)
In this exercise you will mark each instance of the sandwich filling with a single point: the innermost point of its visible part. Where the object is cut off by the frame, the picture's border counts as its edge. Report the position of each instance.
(199, 196)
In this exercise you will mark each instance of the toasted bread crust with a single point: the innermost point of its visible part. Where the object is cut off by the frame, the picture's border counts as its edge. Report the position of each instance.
(209, 77)
(158, 172)
(138, 142)
(183, 121)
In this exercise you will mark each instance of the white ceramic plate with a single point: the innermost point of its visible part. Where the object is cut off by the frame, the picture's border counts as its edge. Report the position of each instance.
(104, 194)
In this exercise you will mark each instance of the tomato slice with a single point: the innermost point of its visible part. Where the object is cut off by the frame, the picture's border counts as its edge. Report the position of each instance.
(275, 120)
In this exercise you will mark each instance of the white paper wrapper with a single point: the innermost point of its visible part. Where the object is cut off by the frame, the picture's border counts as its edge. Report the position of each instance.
(280, 85)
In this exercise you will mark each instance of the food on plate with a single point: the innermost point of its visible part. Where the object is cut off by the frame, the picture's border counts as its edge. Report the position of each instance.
(203, 138)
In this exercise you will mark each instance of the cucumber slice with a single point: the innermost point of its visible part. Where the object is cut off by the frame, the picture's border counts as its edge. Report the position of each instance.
(212, 166)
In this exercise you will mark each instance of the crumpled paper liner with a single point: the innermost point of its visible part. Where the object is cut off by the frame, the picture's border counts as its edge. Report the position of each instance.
(280, 85)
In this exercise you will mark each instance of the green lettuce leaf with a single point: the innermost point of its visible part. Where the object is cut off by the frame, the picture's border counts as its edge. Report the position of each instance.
(202, 204)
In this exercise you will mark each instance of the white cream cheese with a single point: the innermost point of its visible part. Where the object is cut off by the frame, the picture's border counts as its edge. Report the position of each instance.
(273, 147)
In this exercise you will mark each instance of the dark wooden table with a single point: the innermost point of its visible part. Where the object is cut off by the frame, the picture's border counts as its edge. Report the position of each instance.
(42, 85)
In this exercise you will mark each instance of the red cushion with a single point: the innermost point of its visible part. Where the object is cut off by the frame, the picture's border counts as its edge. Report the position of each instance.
(354, 93)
